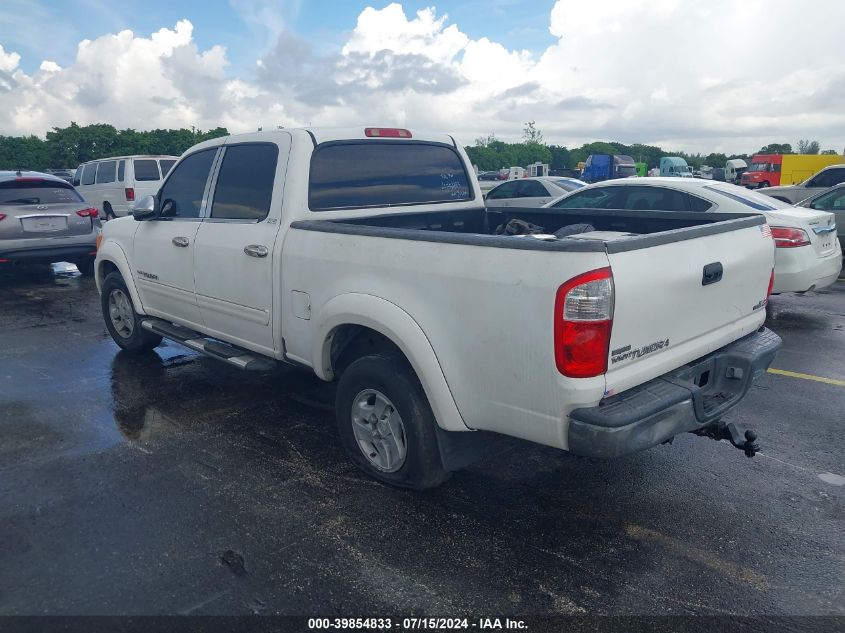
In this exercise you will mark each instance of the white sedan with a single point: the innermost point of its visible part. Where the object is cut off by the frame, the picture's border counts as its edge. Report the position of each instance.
(531, 192)
(807, 255)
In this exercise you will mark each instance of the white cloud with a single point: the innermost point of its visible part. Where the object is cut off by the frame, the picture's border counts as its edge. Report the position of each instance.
(720, 76)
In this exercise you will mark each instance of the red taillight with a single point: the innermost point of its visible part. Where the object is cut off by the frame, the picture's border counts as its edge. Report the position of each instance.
(2, 216)
(88, 213)
(583, 321)
(387, 132)
(771, 285)
(786, 237)
(130, 194)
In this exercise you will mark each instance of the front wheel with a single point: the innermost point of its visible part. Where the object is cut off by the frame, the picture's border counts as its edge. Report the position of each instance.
(122, 322)
(763, 185)
(385, 423)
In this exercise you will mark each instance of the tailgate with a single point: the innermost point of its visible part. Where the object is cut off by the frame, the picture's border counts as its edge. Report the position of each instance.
(678, 299)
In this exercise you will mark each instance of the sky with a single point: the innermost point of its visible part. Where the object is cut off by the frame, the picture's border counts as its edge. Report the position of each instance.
(698, 76)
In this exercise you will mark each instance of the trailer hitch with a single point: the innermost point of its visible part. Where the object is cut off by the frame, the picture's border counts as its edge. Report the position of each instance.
(729, 431)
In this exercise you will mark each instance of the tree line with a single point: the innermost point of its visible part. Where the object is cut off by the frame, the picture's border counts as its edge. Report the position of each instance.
(67, 147)
(70, 146)
(490, 154)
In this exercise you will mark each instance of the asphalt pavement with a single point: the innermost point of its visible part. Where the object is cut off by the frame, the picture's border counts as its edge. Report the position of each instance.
(173, 484)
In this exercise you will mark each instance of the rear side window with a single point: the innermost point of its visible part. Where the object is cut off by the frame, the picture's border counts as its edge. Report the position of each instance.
(37, 192)
(245, 183)
(121, 170)
(166, 166)
(699, 204)
(380, 174)
(106, 171)
(654, 199)
(532, 189)
(88, 173)
(146, 170)
(185, 187)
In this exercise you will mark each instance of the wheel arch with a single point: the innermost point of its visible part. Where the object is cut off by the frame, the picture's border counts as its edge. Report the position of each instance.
(347, 316)
(110, 257)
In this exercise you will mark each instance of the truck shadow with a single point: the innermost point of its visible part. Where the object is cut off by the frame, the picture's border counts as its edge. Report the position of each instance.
(531, 529)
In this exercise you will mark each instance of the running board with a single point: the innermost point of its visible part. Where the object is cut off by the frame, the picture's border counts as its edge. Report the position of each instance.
(235, 356)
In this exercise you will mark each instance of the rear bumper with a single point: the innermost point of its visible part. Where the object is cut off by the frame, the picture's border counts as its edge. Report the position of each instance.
(686, 399)
(801, 269)
(49, 254)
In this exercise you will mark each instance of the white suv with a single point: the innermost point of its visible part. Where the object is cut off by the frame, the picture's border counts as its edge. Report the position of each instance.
(113, 184)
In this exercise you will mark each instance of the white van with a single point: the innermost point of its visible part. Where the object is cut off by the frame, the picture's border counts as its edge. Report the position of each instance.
(113, 184)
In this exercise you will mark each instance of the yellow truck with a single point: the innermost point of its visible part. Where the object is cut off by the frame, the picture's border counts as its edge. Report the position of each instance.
(772, 170)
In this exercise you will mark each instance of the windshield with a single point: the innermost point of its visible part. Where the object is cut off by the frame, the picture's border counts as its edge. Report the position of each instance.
(759, 167)
(626, 170)
(37, 192)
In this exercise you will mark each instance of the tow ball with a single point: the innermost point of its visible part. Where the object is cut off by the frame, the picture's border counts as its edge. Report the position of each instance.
(729, 431)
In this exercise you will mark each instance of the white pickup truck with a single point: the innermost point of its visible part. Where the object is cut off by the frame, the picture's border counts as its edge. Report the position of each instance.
(367, 256)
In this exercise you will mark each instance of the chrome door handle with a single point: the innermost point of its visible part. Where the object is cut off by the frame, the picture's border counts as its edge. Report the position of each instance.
(181, 242)
(256, 250)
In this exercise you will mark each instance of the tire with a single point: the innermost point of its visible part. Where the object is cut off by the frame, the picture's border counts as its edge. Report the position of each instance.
(125, 328)
(86, 266)
(763, 185)
(372, 381)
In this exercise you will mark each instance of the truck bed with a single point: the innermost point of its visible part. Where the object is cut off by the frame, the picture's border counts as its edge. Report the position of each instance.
(478, 226)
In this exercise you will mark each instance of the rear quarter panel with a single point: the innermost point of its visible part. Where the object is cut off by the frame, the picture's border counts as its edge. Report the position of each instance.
(487, 313)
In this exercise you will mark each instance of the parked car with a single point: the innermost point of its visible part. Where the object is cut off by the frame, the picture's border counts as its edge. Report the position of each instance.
(833, 201)
(366, 256)
(807, 256)
(531, 192)
(64, 174)
(825, 179)
(489, 175)
(114, 184)
(43, 220)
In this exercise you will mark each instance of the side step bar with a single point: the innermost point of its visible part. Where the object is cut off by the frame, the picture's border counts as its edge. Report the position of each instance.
(235, 356)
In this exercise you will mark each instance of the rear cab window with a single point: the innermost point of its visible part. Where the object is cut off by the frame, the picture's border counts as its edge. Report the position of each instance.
(146, 169)
(37, 192)
(360, 174)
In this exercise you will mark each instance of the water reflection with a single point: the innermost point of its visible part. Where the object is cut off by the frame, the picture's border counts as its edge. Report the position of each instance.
(135, 382)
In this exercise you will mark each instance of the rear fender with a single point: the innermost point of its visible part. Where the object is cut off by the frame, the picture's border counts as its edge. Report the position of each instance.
(113, 253)
(397, 325)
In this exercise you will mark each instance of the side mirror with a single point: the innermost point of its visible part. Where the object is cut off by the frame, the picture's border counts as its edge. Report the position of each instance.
(146, 209)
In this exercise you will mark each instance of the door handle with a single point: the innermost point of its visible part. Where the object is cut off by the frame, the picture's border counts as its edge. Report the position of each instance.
(256, 250)
(181, 242)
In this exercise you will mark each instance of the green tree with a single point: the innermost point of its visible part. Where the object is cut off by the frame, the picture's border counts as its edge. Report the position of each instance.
(776, 148)
(531, 135)
(806, 146)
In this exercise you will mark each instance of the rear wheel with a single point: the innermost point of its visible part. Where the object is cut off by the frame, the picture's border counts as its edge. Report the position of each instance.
(763, 185)
(122, 322)
(86, 266)
(385, 423)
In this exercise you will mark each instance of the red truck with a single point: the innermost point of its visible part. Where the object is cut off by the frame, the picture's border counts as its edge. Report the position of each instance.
(771, 170)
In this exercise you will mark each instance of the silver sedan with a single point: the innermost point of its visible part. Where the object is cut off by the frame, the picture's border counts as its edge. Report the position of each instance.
(43, 220)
